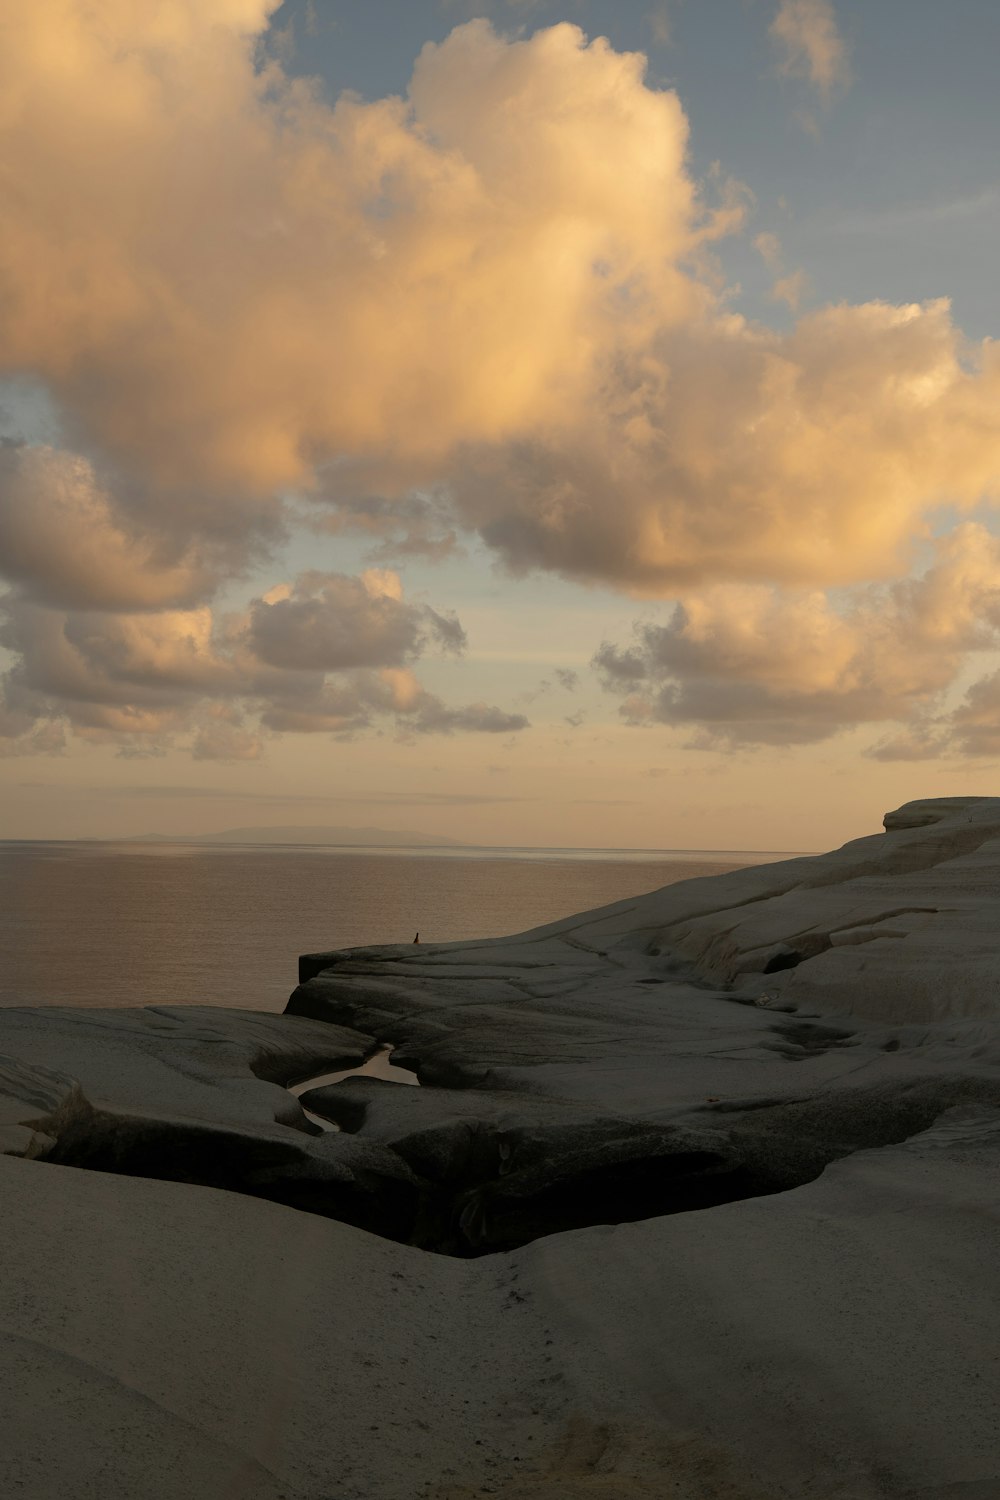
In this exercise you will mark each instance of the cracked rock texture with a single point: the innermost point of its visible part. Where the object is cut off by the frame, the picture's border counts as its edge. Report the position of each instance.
(717, 1039)
(714, 1172)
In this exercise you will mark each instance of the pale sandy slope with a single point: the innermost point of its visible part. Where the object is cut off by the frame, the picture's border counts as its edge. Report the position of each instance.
(163, 1341)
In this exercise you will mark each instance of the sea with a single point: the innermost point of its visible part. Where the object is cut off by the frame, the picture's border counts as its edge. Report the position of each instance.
(115, 924)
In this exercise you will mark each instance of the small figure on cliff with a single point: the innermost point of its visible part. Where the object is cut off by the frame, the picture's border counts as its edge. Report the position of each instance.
(417, 938)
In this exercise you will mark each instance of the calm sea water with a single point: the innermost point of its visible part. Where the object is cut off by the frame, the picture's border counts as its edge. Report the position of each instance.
(159, 924)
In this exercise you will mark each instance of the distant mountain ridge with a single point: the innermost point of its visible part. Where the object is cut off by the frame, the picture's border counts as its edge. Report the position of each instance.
(306, 833)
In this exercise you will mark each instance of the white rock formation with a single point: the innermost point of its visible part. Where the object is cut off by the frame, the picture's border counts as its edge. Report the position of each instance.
(808, 1054)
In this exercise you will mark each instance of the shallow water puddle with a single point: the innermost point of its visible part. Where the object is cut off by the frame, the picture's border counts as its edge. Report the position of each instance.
(377, 1066)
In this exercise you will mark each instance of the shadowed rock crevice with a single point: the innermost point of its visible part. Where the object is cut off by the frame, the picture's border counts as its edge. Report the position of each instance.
(491, 1193)
(470, 1172)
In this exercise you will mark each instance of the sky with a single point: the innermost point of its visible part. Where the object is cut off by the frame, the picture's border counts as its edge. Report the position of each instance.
(536, 424)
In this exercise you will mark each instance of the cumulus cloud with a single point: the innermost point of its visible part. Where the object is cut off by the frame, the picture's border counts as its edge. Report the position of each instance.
(61, 537)
(806, 457)
(460, 294)
(488, 307)
(224, 735)
(975, 724)
(811, 46)
(397, 275)
(329, 622)
(323, 653)
(753, 665)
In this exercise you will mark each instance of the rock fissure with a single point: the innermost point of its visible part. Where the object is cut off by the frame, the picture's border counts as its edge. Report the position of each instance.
(460, 1182)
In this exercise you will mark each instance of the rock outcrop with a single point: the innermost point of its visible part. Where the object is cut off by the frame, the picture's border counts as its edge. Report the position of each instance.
(718, 1039)
(767, 1103)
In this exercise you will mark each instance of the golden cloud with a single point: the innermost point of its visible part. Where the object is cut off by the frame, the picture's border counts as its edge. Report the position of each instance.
(498, 290)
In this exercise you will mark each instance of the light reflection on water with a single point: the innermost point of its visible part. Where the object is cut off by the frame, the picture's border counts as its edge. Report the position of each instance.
(161, 924)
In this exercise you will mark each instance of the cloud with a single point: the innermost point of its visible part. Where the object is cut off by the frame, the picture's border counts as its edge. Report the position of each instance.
(975, 724)
(349, 703)
(811, 46)
(450, 240)
(788, 288)
(323, 653)
(412, 525)
(219, 738)
(488, 308)
(746, 664)
(768, 247)
(62, 539)
(330, 622)
(566, 678)
(740, 453)
(227, 793)
(431, 716)
(451, 312)
(918, 742)
(660, 25)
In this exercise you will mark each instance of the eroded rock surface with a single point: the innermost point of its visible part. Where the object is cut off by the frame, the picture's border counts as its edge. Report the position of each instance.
(35, 1104)
(194, 1093)
(898, 927)
(808, 1054)
(667, 1053)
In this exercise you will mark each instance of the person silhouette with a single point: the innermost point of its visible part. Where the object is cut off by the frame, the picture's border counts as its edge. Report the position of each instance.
(417, 938)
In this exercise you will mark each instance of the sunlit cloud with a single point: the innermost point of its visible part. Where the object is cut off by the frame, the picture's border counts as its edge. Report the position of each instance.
(521, 324)
(63, 540)
(490, 310)
(329, 653)
(746, 664)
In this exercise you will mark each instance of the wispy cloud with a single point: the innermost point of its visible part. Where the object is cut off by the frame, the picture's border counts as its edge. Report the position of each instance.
(660, 25)
(810, 45)
(181, 792)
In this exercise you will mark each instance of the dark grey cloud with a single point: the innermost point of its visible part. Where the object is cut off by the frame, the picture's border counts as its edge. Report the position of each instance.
(331, 622)
(434, 717)
(912, 744)
(975, 724)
